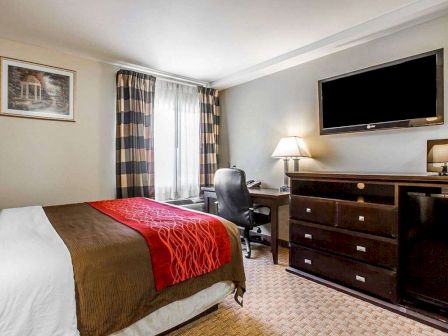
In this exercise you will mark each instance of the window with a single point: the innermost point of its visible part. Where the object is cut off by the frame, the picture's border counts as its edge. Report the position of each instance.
(176, 140)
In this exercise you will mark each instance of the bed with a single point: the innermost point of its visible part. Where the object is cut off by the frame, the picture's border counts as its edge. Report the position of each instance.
(116, 288)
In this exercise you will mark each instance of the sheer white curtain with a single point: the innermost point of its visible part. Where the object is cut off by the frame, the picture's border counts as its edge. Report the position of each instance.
(176, 140)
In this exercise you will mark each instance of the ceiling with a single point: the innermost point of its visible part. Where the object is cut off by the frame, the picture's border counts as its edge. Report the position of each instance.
(208, 40)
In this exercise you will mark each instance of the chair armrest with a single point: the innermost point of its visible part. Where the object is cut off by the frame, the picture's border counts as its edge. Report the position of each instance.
(260, 206)
(255, 207)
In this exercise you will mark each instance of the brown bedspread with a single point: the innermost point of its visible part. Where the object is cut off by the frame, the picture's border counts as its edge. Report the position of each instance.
(113, 274)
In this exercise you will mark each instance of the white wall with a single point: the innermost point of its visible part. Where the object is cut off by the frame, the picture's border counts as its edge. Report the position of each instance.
(54, 162)
(257, 114)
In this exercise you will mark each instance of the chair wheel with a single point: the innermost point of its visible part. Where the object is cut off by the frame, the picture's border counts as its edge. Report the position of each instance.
(247, 255)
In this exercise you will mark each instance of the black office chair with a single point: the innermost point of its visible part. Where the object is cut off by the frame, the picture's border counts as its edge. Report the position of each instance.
(235, 204)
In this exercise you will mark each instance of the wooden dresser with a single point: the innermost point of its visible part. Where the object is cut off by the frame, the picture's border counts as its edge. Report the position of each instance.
(345, 229)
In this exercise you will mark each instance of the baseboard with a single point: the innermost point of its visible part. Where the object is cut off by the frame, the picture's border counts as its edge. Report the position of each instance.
(283, 243)
(396, 308)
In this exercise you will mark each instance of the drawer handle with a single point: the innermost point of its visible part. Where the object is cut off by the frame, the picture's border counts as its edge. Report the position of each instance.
(361, 248)
(308, 210)
(361, 218)
(307, 261)
(308, 236)
(360, 278)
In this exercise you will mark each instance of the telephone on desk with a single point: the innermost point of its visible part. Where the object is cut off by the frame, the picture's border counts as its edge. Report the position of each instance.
(251, 184)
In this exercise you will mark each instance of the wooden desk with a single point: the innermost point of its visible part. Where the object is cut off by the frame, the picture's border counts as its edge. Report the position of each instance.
(271, 198)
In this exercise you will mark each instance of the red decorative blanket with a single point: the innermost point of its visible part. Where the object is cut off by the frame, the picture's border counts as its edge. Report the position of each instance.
(183, 244)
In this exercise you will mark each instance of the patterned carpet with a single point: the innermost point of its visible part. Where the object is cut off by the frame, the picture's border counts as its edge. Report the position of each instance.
(278, 303)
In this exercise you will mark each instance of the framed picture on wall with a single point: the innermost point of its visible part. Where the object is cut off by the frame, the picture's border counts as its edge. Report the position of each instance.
(36, 91)
(437, 156)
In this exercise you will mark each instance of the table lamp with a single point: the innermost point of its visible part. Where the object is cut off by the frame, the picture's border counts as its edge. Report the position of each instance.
(439, 154)
(290, 148)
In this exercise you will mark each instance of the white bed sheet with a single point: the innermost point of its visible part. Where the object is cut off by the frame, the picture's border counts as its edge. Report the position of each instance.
(179, 312)
(37, 290)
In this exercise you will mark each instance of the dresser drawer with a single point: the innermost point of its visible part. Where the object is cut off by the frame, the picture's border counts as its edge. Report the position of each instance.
(364, 247)
(312, 209)
(377, 219)
(375, 280)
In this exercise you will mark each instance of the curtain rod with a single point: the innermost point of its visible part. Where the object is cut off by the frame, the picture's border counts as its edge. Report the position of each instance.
(161, 74)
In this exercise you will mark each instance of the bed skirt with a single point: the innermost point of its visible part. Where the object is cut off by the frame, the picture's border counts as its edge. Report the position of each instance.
(179, 312)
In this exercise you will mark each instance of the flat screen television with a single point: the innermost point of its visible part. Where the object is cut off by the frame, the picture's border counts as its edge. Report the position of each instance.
(402, 93)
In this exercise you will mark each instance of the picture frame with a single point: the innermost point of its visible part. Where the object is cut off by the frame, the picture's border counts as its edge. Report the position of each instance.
(33, 90)
(437, 156)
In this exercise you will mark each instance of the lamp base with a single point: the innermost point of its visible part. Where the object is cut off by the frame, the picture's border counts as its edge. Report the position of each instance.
(296, 164)
(285, 188)
(444, 171)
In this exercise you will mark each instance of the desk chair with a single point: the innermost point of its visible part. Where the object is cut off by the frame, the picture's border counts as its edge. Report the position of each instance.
(235, 204)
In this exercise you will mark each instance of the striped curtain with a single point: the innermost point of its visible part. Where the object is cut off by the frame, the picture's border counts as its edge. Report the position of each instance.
(209, 135)
(134, 138)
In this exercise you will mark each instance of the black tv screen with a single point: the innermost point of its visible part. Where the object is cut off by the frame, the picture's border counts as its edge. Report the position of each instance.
(401, 93)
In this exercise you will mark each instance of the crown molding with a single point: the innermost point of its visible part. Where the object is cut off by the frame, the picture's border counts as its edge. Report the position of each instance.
(160, 74)
(118, 64)
(411, 15)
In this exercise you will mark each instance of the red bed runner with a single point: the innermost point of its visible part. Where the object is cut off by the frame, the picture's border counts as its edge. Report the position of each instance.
(183, 244)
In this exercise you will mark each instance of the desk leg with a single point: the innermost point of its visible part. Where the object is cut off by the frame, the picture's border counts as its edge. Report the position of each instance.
(274, 233)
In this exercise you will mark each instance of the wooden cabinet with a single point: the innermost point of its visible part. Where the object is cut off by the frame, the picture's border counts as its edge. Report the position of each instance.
(347, 230)
(345, 234)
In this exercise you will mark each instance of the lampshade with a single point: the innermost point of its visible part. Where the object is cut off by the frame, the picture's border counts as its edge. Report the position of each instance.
(438, 154)
(290, 147)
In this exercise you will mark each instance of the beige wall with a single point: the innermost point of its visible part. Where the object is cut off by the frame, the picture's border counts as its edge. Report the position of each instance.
(54, 162)
(257, 114)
